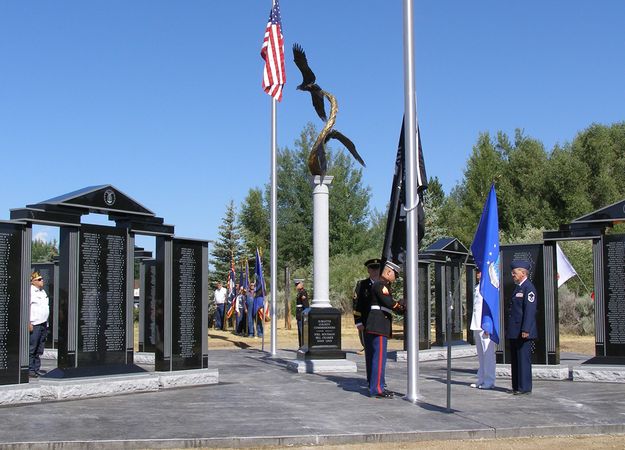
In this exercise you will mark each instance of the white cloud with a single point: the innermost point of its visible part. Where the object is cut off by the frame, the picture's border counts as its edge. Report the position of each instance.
(41, 236)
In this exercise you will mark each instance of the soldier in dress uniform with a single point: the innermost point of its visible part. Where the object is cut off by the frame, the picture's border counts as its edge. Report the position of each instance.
(362, 305)
(522, 328)
(301, 303)
(378, 328)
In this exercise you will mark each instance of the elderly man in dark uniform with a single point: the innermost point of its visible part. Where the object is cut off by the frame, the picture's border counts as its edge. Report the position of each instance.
(362, 305)
(379, 328)
(301, 303)
(522, 327)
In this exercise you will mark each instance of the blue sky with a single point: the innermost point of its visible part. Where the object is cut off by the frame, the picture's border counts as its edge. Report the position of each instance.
(163, 99)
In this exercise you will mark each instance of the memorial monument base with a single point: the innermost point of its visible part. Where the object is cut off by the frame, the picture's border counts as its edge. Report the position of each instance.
(322, 334)
(95, 371)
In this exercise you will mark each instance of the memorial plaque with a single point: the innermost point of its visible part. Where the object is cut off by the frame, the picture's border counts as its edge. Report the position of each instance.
(322, 334)
(534, 254)
(102, 292)
(48, 271)
(614, 289)
(187, 302)
(10, 297)
(148, 290)
(447, 282)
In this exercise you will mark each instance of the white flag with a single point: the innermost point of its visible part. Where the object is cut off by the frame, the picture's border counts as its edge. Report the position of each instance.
(564, 267)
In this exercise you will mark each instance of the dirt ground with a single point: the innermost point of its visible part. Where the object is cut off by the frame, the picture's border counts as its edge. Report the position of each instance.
(555, 442)
(218, 339)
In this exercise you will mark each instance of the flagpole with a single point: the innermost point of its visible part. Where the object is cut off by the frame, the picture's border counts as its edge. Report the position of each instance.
(274, 226)
(412, 201)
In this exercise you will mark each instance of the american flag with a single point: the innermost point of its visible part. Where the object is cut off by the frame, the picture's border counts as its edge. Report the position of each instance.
(272, 52)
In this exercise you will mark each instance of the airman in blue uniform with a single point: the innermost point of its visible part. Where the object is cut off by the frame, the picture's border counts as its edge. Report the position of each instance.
(522, 327)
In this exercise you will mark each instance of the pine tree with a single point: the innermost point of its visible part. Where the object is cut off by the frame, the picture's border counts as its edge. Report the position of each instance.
(226, 247)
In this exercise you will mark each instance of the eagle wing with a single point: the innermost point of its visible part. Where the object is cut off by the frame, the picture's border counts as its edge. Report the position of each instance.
(349, 145)
(302, 64)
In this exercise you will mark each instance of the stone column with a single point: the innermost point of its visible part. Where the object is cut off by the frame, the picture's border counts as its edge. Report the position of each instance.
(321, 242)
(322, 322)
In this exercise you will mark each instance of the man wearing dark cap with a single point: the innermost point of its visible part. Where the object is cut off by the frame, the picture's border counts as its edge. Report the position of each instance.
(362, 305)
(378, 328)
(301, 303)
(522, 327)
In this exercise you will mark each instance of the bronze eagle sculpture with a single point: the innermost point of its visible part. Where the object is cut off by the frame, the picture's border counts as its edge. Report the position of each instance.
(317, 162)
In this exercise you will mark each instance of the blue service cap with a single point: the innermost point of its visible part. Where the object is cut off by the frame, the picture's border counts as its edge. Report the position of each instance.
(520, 265)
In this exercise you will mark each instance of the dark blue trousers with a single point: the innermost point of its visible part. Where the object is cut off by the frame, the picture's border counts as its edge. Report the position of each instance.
(378, 362)
(368, 344)
(219, 316)
(521, 364)
(300, 331)
(36, 345)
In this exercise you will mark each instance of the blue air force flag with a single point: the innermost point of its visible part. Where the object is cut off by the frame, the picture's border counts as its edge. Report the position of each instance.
(485, 249)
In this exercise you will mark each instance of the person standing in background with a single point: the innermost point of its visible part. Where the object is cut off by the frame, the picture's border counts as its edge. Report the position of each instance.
(301, 303)
(220, 304)
(483, 344)
(37, 325)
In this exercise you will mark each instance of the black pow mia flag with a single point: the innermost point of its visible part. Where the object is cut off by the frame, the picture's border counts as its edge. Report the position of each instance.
(394, 248)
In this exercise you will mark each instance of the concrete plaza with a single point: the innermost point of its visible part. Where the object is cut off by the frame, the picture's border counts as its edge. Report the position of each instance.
(258, 402)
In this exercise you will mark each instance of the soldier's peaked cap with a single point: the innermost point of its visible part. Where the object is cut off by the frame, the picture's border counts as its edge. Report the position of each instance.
(373, 263)
(392, 265)
(520, 265)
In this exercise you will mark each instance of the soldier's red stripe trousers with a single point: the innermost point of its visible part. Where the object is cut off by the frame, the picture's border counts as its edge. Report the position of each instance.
(378, 344)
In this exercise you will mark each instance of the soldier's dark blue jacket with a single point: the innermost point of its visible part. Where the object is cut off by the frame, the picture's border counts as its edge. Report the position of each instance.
(362, 301)
(522, 311)
(380, 318)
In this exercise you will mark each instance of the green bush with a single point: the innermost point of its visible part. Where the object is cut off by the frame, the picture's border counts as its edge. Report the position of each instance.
(576, 314)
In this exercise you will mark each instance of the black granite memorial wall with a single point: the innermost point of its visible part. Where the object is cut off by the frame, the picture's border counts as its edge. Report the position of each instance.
(181, 307)
(425, 326)
(11, 282)
(147, 308)
(448, 285)
(94, 300)
(187, 305)
(614, 294)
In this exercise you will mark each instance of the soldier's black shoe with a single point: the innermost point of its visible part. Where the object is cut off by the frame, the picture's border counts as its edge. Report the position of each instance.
(522, 392)
(384, 394)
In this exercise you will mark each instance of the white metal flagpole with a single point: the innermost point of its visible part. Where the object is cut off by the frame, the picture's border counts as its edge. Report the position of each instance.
(274, 226)
(412, 201)
(274, 222)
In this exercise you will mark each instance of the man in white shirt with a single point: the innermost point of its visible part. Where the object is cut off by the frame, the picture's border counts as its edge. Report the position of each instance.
(220, 304)
(484, 345)
(38, 324)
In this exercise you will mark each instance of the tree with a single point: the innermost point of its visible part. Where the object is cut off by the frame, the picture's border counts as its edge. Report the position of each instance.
(349, 207)
(254, 222)
(43, 251)
(602, 151)
(226, 247)
(435, 228)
